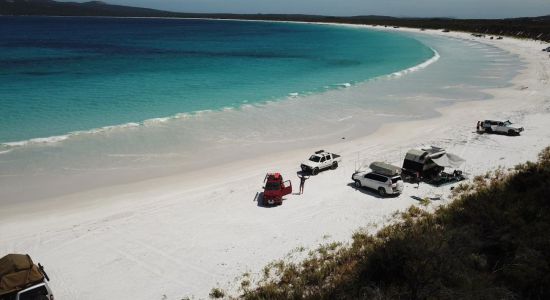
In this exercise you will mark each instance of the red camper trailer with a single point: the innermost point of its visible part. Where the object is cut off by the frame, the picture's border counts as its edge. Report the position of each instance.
(275, 189)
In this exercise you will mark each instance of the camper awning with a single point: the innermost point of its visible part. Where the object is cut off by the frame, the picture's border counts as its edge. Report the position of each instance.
(449, 160)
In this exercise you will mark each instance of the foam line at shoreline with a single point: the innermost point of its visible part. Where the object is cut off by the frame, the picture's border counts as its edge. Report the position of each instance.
(60, 138)
(418, 67)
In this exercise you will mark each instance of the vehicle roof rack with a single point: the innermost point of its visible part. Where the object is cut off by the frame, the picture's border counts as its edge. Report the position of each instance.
(319, 152)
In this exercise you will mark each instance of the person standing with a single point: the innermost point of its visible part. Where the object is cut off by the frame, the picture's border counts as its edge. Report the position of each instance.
(303, 179)
(417, 179)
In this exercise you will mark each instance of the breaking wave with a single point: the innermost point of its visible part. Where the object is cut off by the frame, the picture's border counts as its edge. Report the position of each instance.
(7, 147)
(418, 67)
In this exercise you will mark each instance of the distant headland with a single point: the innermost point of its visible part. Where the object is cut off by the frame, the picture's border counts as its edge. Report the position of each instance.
(533, 27)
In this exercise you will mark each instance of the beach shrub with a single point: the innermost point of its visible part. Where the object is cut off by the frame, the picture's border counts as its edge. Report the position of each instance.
(491, 242)
(216, 293)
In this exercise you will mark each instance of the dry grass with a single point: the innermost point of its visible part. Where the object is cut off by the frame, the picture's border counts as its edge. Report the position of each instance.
(492, 242)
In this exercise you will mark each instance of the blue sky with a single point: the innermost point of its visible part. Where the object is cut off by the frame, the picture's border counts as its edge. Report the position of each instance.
(399, 8)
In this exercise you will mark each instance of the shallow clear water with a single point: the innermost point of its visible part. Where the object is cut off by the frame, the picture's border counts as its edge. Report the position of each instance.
(166, 146)
(60, 75)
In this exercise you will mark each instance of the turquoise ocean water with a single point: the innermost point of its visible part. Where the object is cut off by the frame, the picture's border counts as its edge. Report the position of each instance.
(93, 102)
(61, 75)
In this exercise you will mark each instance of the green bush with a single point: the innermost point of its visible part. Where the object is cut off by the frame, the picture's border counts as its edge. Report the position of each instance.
(491, 242)
(217, 293)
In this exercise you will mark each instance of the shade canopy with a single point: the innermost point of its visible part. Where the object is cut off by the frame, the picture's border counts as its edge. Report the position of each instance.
(449, 160)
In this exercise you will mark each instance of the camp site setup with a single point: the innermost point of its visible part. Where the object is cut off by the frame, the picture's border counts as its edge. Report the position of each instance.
(21, 279)
(428, 164)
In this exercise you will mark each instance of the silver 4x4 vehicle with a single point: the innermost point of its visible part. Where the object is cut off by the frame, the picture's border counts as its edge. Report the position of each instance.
(319, 161)
(502, 127)
(384, 178)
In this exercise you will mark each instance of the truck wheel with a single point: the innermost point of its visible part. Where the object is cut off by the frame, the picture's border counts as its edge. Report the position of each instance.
(315, 171)
(511, 132)
(334, 165)
(357, 183)
(382, 192)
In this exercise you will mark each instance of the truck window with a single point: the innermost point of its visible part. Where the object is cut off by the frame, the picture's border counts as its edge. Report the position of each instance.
(369, 176)
(375, 177)
(39, 293)
(395, 179)
(323, 159)
(381, 178)
(315, 158)
(272, 186)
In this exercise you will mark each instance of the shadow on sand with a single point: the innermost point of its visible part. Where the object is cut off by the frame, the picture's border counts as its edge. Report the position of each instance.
(258, 198)
(371, 192)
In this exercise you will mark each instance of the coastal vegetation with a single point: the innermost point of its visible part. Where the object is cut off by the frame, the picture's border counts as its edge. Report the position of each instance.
(491, 242)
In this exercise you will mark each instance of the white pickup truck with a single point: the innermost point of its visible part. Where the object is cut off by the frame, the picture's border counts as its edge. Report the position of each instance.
(319, 161)
(502, 127)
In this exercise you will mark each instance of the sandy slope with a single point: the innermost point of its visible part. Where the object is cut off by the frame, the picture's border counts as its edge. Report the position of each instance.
(179, 236)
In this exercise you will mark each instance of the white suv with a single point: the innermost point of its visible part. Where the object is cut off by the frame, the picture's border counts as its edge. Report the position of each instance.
(384, 184)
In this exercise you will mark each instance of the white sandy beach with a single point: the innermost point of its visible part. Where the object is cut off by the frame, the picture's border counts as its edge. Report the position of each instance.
(182, 235)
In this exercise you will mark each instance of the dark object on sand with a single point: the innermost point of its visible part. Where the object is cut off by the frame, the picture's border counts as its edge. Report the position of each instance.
(444, 178)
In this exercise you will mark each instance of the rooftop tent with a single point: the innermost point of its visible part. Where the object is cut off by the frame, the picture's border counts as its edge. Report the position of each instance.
(422, 154)
(385, 168)
(429, 161)
(17, 271)
(414, 154)
(449, 160)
